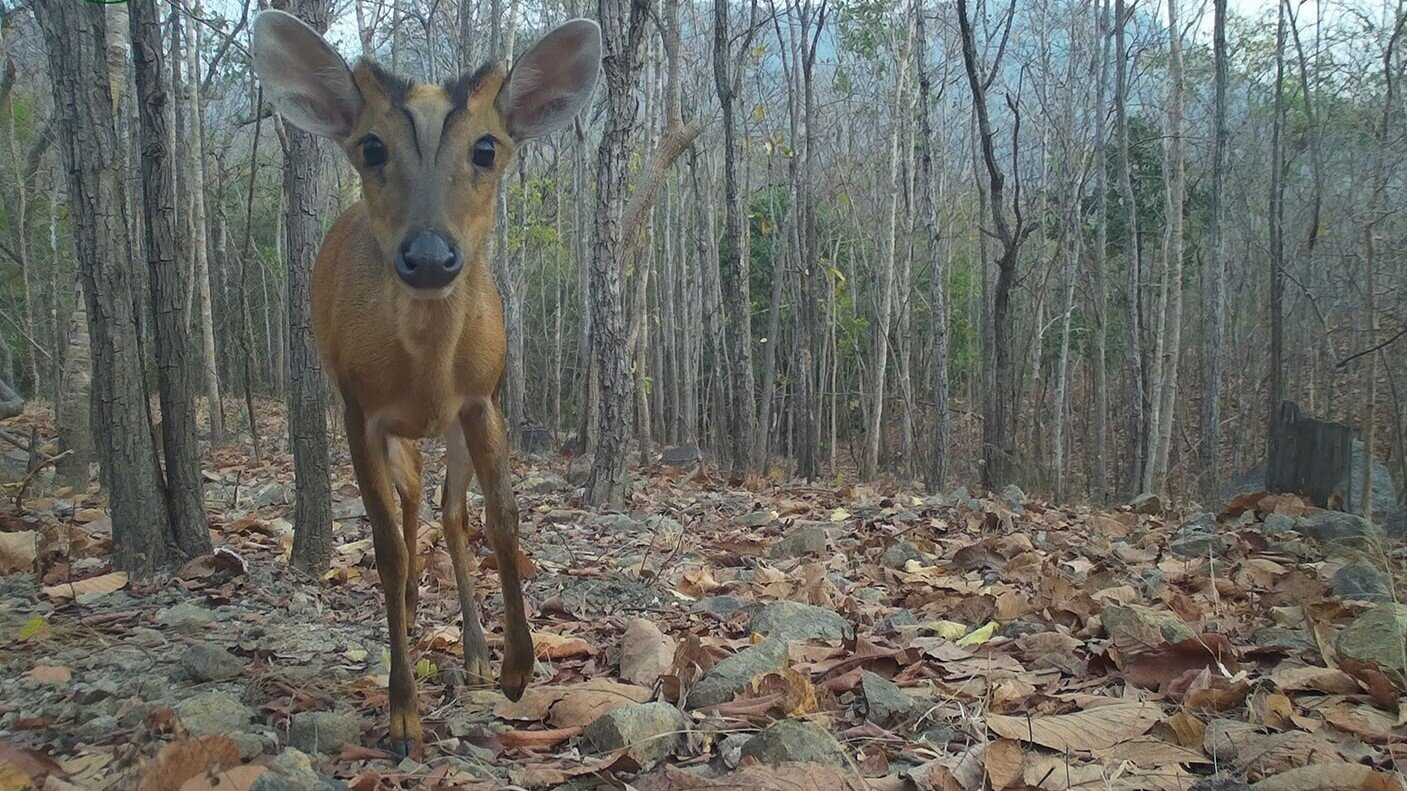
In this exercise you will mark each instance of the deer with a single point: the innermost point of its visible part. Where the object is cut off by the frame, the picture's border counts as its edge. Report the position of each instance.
(408, 321)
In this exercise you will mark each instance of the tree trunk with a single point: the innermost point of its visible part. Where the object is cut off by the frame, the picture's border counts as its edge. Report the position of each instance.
(175, 354)
(1170, 333)
(73, 411)
(1099, 483)
(733, 254)
(307, 395)
(941, 448)
(997, 448)
(1133, 293)
(1216, 267)
(623, 29)
(879, 353)
(1277, 239)
(200, 247)
(75, 38)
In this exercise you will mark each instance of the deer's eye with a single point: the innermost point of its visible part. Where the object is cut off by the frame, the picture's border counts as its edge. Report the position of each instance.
(373, 151)
(482, 153)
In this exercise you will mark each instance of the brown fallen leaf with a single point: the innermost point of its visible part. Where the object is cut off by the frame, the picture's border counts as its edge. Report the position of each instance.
(1278, 711)
(1091, 729)
(783, 777)
(50, 675)
(1003, 760)
(646, 653)
(555, 646)
(1330, 777)
(1328, 680)
(28, 763)
(18, 551)
(239, 778)
(93, 586)
(579, 704)
(1380, 687)
(182, 760)
(538, 740)
(1149, 753)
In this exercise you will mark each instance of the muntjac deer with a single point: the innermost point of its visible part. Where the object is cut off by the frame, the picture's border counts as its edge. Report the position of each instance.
(408, 320)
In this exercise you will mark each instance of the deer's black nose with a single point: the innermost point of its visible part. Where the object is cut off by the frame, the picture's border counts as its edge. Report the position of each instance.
(428, 260)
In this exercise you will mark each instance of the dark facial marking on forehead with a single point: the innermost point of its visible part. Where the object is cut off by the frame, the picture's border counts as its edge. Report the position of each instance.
(460, 88)
(397, 88)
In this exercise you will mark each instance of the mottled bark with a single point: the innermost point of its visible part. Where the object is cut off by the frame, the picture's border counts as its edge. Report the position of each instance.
(175, 353)
(75, 36)
(307, 393)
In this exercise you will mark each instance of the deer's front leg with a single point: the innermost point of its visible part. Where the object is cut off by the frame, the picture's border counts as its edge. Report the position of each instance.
(487, 437)
(371, 460)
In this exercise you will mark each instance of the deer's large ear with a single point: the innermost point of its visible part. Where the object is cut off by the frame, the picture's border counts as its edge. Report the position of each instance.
(303, 77)
(550, 84)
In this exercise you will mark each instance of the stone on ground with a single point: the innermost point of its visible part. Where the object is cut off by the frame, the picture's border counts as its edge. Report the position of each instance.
(1147, 503)
(650, 732)
(886, 704)
(1378, 635)
(211, 713)
(730, 676)
(795, 621)
(1136, 616)
(1362, 580)
(323, 731)
(207, 662)
(801, 542)
(794, 740)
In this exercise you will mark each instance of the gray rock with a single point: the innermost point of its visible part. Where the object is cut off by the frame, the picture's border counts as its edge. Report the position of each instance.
(1018, 628)
(353, 508)
(1147, 503)
(1278, 523)
(1281, 637)
(99, 729)
(666, 527)
(958, 496)
(544, 482)
(892, 621)
(617, 523)
(211, 713)
(721, 606)
(731, 749)
(206, 662)
(272, 494)
(292, 771)
(938, 734)
(1336, 529)
(1150, 578)
(323, 731)
(1015, 498)
(796, 621)
(1362, 580)
(885, 703)
(794, 740)
(899, 553)
(249, 744)
(651, 731)
(1197, 538)
(1173, 628)
(186, 617)
(730, 676)
(1220, 783)
(754, 519)
(1378, 635)
(801, 542)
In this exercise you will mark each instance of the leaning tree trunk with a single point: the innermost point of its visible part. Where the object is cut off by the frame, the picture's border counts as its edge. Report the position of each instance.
(623, 29)
(175, 354)
(75, 37)
(307, 395)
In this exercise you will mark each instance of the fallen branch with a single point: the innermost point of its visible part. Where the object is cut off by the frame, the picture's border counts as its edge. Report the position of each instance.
(33, 471)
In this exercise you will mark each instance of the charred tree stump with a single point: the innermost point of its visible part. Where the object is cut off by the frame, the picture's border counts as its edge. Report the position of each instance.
(1309, 457)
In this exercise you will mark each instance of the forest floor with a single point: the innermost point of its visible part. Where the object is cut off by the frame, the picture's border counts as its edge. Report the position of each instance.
(910, 642)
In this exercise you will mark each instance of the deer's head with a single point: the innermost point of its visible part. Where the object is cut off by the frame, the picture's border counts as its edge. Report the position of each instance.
(429, 155)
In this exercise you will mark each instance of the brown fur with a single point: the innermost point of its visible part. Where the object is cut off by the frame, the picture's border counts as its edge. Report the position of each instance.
(410, 367)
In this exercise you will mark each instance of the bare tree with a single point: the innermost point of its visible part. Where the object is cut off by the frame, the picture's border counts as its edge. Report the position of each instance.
(75, 36)
(307, 391)
(997, 441)
(623, 31)
(175, 354)
(1216, 265)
